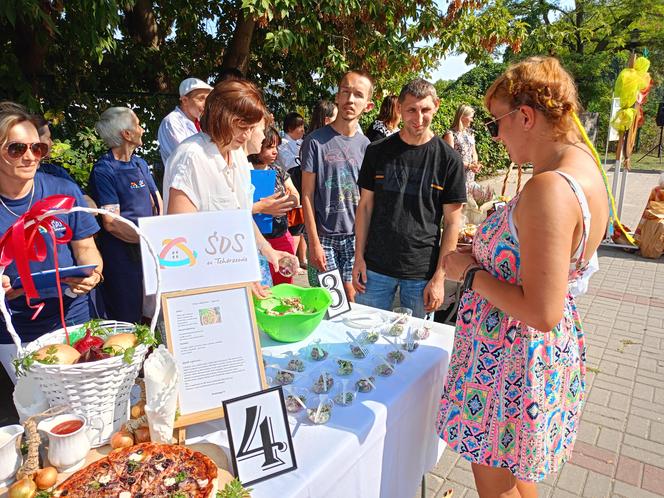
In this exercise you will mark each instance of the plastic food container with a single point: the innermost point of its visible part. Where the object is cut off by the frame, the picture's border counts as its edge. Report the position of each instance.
(322, 382)
(395, 356)
(296, 364)
(344, 365)
(365, 383)
(281, 376)
(317, 351)
(381, 367)
(409, 343)
(319, 409)
(369, 336)
(401, 325)
(290, 395)
(344, 394)
(359, 349)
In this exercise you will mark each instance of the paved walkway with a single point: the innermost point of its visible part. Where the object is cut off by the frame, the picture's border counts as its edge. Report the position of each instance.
(620, 446)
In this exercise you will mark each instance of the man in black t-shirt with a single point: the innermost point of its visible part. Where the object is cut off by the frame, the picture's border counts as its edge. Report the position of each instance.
(409, 182)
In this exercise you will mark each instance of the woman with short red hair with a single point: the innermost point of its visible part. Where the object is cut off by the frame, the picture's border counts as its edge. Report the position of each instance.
(516, 381)
(209, 171)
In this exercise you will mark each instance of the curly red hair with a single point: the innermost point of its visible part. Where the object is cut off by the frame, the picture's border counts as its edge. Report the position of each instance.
(541, 83)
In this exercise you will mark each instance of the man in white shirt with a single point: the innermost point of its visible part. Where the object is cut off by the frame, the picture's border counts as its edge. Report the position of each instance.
(182, 122)
(289, 160)
(289, 150)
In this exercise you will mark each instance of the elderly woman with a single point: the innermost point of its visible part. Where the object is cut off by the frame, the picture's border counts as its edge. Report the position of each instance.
(121, 182)
(515, 389)
(210, 171)
(21, 186)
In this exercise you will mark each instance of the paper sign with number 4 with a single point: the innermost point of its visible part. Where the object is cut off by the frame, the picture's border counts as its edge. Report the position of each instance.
(260, 424)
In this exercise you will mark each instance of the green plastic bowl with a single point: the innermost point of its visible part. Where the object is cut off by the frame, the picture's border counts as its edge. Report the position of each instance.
(294, 327)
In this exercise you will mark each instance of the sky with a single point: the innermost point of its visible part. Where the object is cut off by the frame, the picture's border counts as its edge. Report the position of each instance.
(450, 68)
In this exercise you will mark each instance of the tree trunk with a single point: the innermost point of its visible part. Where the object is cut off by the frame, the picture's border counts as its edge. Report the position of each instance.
(579, 23)
(30, 42)
(142, 27)
(237, 54)
(28, 50)
(142, 24)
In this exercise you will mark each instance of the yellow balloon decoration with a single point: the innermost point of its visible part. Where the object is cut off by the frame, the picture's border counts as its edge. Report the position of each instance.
(624, 119)
(642, 64)
(627, 87)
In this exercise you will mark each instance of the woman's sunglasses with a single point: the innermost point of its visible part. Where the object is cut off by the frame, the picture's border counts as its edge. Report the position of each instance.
(18, 149)
(492, 125)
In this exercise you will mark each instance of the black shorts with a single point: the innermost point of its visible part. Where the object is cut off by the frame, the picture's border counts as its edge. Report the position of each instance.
(296, 230)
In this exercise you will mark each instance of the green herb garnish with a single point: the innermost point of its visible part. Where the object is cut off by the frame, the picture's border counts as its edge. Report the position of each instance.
(234, 489)
(144, 336)
(128, 355)
(94, 326)
(24, 364)
(182, 476)
(95, 485)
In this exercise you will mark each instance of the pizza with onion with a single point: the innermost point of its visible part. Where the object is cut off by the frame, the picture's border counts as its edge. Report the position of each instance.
(142, 471)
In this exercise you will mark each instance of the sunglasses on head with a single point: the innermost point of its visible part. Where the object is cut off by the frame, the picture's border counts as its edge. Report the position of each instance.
(492, 125)
(18, 149)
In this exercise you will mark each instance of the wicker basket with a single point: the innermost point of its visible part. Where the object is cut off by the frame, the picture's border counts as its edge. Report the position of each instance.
(98, 389)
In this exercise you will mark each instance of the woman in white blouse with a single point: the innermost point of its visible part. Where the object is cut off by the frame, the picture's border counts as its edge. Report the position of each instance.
(209, 171)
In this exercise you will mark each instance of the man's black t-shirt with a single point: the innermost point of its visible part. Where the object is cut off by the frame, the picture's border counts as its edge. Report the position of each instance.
(410, 185)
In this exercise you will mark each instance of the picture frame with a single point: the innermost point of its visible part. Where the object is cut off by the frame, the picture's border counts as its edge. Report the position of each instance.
(259, 416)
(332, 281)
(213, 336)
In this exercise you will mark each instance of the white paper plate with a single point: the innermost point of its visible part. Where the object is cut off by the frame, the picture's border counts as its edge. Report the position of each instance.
(363, 319)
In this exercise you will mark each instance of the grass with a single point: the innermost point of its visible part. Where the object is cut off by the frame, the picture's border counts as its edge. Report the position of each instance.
(648, 162)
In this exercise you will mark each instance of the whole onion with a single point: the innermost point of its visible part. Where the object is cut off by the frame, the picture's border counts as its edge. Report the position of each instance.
(25, 488)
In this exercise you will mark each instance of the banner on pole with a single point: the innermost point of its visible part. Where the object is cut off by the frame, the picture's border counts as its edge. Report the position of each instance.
(615, 107)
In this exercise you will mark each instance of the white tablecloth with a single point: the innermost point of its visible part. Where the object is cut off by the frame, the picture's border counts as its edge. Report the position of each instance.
(378, 447)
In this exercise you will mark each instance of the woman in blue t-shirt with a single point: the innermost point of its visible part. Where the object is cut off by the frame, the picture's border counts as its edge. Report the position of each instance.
(21, 186)
(121, 182)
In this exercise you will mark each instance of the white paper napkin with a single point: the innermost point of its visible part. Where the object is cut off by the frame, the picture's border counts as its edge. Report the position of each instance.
(29, 399)
(161, 394)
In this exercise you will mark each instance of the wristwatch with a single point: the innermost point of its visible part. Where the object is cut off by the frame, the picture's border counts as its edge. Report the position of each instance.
(470, 276)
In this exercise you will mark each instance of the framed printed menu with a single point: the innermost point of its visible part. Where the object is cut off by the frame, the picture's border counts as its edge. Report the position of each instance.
(213, 337)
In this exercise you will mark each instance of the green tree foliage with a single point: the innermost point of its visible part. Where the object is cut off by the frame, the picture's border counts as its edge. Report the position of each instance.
(592, 38)
(78, 57)
(469, 89)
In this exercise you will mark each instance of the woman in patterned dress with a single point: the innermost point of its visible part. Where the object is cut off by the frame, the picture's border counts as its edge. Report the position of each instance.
(462, 139)
(516, 382)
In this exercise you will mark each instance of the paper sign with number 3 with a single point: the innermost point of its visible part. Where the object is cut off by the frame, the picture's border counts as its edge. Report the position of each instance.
(331, 280)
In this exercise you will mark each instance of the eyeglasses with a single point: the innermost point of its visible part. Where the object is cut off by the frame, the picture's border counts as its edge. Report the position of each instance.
(492, 125)
(16, 150)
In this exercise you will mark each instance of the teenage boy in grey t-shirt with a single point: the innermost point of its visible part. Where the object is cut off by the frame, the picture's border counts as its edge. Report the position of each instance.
(331, 161)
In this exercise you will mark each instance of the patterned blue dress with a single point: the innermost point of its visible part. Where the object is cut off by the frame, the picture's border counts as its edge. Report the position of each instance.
(513, 394)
